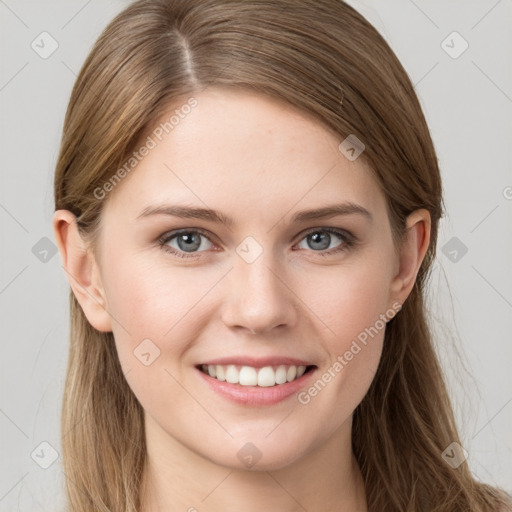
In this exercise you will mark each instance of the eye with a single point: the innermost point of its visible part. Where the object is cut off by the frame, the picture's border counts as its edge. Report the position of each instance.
(320, 239)
(185, 241)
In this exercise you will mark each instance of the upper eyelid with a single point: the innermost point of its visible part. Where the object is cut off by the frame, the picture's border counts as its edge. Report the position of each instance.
(324, 228)
(168, 235)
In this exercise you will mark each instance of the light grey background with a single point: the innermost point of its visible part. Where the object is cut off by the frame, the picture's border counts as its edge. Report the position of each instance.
(468, 104)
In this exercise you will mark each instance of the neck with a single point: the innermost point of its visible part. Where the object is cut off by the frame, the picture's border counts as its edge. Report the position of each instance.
(178, 479)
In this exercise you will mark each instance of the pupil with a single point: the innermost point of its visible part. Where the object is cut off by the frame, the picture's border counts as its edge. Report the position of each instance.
(317, 239)
(192, 242)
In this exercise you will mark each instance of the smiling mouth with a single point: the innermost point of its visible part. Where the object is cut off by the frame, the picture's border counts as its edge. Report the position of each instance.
(267, 376)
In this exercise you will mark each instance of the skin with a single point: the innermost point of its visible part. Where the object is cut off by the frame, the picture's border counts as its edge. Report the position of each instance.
(259, 161)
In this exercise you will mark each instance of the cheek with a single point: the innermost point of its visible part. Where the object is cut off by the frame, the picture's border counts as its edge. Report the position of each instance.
(160, 313)
(349, 304)
(347, 299)
(157, 302)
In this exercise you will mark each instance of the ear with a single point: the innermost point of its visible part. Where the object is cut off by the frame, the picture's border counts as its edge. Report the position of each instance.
(411, 254)
(82, 270)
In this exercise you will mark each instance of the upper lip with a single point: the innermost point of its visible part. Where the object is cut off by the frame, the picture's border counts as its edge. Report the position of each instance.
(257, 362)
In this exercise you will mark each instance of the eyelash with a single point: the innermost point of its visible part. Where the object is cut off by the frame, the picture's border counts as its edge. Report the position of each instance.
(349, 240)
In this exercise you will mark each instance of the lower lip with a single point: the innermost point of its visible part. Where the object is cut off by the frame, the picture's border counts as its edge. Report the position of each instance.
(256, 395)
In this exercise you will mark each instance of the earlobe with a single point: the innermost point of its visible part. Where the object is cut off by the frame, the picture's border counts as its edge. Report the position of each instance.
(82, 270)
(412, 252)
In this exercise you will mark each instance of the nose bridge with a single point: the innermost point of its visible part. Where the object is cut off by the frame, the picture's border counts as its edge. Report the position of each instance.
(258, 299)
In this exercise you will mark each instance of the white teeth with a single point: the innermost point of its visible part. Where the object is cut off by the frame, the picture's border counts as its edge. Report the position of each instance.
(248, 376)
(291, 373)
(219, 370)
(232, 374)
(281, 375)
(267, 376)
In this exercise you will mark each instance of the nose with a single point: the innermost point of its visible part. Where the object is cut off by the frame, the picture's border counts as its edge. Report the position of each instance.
(258, 299)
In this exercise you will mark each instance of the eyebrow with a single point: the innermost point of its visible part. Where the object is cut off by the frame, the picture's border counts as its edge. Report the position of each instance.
(347, 208)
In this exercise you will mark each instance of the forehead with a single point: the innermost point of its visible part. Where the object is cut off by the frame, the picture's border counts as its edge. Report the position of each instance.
(239, 148)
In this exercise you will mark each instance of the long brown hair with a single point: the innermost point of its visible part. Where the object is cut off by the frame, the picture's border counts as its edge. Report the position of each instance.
(324, 58)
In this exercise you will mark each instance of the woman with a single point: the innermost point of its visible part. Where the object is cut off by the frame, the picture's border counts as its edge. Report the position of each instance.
(247, 205)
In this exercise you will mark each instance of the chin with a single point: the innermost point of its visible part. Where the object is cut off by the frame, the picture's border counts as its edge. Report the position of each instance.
(260, 453)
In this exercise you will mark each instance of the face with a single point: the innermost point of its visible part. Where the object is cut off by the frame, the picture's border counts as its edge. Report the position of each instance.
(257, 290)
